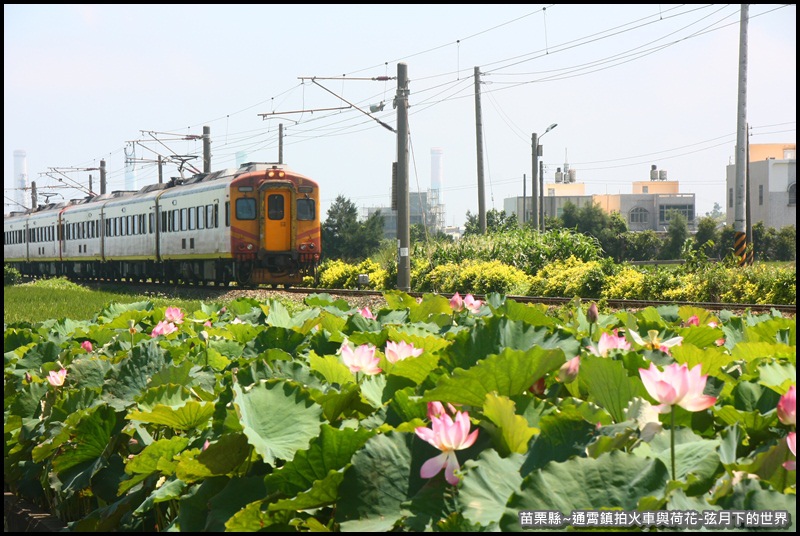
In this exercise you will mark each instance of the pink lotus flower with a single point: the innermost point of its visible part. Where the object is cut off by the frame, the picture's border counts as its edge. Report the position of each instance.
(791, 441)
(469, 302)
(366, 313)
(56, 379)
(174, 315)
(447, 434)
(362, 359)
(397, 351)
(787, 407)
(87, 345)
(437, 409)
(608, 342)
(163, 328)
(207, 323)
(472, 304)
(677, 385)
(692, 321)
(569, 370)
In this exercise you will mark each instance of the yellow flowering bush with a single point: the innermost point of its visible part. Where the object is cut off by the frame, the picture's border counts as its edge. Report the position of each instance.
(492, 276)
(569, 278)
(627, 284)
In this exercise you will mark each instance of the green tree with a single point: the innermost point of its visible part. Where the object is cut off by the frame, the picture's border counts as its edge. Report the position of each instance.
(497, 221)
(642, 245)
(344, 237)
(716, 213)
(706, 231)
(570, 216)
(725, 243)
(612, 236)
(786, 244)
(764, 239)
(677, 233)
(592, 219)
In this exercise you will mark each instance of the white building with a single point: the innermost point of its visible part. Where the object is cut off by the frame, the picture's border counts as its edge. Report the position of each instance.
(773, 185)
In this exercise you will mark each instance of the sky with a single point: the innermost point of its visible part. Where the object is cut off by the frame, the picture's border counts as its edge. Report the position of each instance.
(629, 86)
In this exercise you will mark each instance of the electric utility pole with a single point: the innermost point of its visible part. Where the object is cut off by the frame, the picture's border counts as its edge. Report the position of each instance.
(403, 217)
(479, 138)
(740, 236)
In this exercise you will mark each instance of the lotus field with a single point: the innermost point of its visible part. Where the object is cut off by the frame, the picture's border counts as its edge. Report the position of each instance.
(428, 414)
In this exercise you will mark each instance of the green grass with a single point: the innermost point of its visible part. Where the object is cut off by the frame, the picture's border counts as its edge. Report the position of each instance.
(58, 298)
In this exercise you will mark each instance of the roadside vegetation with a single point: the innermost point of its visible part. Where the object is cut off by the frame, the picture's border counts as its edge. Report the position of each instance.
(58, 298)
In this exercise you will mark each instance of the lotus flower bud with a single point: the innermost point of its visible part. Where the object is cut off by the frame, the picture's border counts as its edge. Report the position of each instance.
(591, 314)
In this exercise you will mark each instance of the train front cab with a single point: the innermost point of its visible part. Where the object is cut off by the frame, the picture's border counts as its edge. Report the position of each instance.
(275, 229)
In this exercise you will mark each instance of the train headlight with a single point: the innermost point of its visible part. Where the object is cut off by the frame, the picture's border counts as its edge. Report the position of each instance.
(250, 247)
(303, 247)
(311, 246)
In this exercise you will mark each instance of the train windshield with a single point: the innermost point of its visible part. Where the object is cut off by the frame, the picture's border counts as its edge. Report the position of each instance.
(246, 209)
(306, 209)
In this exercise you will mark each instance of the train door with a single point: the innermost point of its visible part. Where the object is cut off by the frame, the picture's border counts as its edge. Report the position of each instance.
(278, 221)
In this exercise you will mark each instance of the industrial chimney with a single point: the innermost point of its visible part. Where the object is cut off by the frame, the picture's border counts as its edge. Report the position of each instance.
(20, 178)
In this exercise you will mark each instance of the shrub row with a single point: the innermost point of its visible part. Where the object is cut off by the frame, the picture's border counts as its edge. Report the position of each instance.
(597, 278)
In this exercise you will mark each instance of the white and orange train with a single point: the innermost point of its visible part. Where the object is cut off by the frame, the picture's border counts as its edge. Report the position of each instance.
(258, 224)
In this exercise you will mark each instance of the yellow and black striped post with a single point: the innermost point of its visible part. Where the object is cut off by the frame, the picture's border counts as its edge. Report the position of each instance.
(740, 247)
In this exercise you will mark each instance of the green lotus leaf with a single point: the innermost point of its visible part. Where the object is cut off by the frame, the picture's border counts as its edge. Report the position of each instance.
(509, 373)
(191, 415)
(279, 419)
(488, 483)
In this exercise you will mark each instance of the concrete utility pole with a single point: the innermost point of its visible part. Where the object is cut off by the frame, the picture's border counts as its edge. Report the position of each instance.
(535, 180)
(541, 194)
(206, 149)
(102, 177)
(403, 217)
(280, 143)
(524, 199)
(479, 138)
(160, 170)
(740, 236)
(34, 196)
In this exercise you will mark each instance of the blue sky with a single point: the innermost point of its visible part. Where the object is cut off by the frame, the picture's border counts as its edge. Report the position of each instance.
(628, 85)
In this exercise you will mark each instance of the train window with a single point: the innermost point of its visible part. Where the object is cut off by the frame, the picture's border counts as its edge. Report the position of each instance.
(227, 214)
(152, 220)
(176, 220)
(246, 208)
(216, 216)
(306, 209)
(275, 207)
(192, 214)
(201, 217)
(184, 221)
(209, 216)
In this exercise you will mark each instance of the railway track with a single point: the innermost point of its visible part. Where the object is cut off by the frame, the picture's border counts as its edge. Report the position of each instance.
(218, 291)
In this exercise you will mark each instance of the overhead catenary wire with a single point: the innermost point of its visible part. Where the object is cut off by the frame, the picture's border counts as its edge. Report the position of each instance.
(307, 131)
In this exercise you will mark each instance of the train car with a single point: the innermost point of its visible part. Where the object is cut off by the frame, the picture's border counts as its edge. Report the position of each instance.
(274, 224)
(80, 237)
(194, 242)
(258, 224)
(129, 248)
(15, 245)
